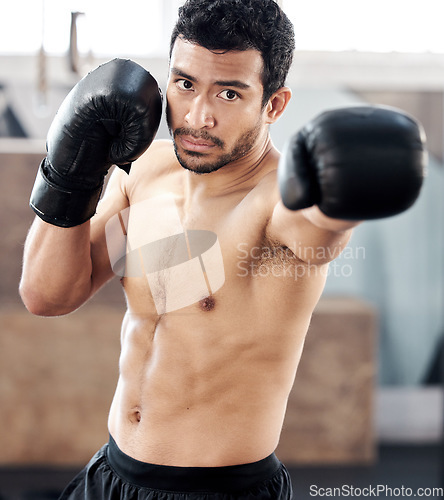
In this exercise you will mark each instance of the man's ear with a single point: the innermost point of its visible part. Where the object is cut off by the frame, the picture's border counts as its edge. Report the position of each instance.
(277, 104)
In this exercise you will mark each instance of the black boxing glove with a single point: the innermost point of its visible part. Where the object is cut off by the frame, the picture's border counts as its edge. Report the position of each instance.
(110, 117)
(355, 163)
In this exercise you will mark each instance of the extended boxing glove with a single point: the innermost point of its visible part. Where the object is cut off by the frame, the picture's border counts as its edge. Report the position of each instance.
(354, 163)
(110, 117)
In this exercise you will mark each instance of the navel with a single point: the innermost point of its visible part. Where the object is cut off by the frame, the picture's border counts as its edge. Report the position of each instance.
(135, 415)
(207, 304)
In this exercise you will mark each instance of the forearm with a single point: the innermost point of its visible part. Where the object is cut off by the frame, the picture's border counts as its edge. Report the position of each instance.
(57, 268)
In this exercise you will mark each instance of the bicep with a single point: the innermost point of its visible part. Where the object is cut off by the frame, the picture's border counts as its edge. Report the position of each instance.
(307, 234)
(112, 203)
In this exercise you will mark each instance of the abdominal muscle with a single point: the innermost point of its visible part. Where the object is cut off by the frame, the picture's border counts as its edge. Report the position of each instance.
(195, 391)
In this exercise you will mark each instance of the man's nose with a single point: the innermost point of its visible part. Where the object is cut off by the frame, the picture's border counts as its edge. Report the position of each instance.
(200, 114)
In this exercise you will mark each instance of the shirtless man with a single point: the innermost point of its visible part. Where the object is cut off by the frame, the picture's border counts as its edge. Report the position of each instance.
(209, 350)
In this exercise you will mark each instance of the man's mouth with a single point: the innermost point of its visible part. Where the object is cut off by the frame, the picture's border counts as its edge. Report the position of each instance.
(191, 143)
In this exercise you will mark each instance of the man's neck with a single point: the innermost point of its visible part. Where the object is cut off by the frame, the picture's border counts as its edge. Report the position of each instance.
(242, 174)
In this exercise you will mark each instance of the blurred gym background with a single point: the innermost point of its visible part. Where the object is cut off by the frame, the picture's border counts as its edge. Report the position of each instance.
(367, 406)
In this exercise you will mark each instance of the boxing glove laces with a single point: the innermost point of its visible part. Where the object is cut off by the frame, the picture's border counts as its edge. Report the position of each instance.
(355, 163)
(110, 117)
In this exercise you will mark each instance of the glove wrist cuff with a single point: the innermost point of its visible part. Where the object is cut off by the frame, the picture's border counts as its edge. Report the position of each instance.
(298, 185)
(62, 206)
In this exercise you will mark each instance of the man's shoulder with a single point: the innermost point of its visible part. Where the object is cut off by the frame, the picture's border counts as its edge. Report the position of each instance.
(160, 151)
(268, 178)
(262, 194)
(158, 161)
(158, 158)
(267, 188)
(161, 145)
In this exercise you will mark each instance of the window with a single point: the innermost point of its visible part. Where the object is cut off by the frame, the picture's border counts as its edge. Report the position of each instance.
(142, 27)
(367, 25)
(108, 27)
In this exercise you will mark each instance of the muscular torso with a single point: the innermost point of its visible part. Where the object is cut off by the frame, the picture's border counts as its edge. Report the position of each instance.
(216, 320)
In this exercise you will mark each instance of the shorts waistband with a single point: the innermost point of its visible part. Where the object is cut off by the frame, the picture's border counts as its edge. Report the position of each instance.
(228, 479)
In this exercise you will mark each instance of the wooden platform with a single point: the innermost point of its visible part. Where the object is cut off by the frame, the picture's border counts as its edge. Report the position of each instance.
(330, 413)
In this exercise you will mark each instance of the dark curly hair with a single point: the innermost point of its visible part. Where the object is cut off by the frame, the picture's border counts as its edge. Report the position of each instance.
(241, 25)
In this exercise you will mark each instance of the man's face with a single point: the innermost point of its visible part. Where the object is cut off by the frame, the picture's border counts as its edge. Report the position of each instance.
(214, 105)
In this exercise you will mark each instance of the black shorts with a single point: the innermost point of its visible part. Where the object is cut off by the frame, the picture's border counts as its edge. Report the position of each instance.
(113, 475)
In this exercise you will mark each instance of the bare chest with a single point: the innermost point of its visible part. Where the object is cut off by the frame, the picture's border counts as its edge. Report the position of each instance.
(175, 258)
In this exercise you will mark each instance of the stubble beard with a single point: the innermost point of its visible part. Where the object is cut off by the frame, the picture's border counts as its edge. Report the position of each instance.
(194, 161)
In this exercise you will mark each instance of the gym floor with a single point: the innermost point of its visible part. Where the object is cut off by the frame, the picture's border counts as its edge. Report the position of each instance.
(397, 467)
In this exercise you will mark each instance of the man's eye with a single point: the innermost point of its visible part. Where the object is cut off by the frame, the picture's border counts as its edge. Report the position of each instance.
(184, 84)
(229, 95)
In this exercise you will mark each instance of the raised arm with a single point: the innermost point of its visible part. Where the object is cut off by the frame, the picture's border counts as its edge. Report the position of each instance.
(110, 117)
(64, 267)
(346, 166)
